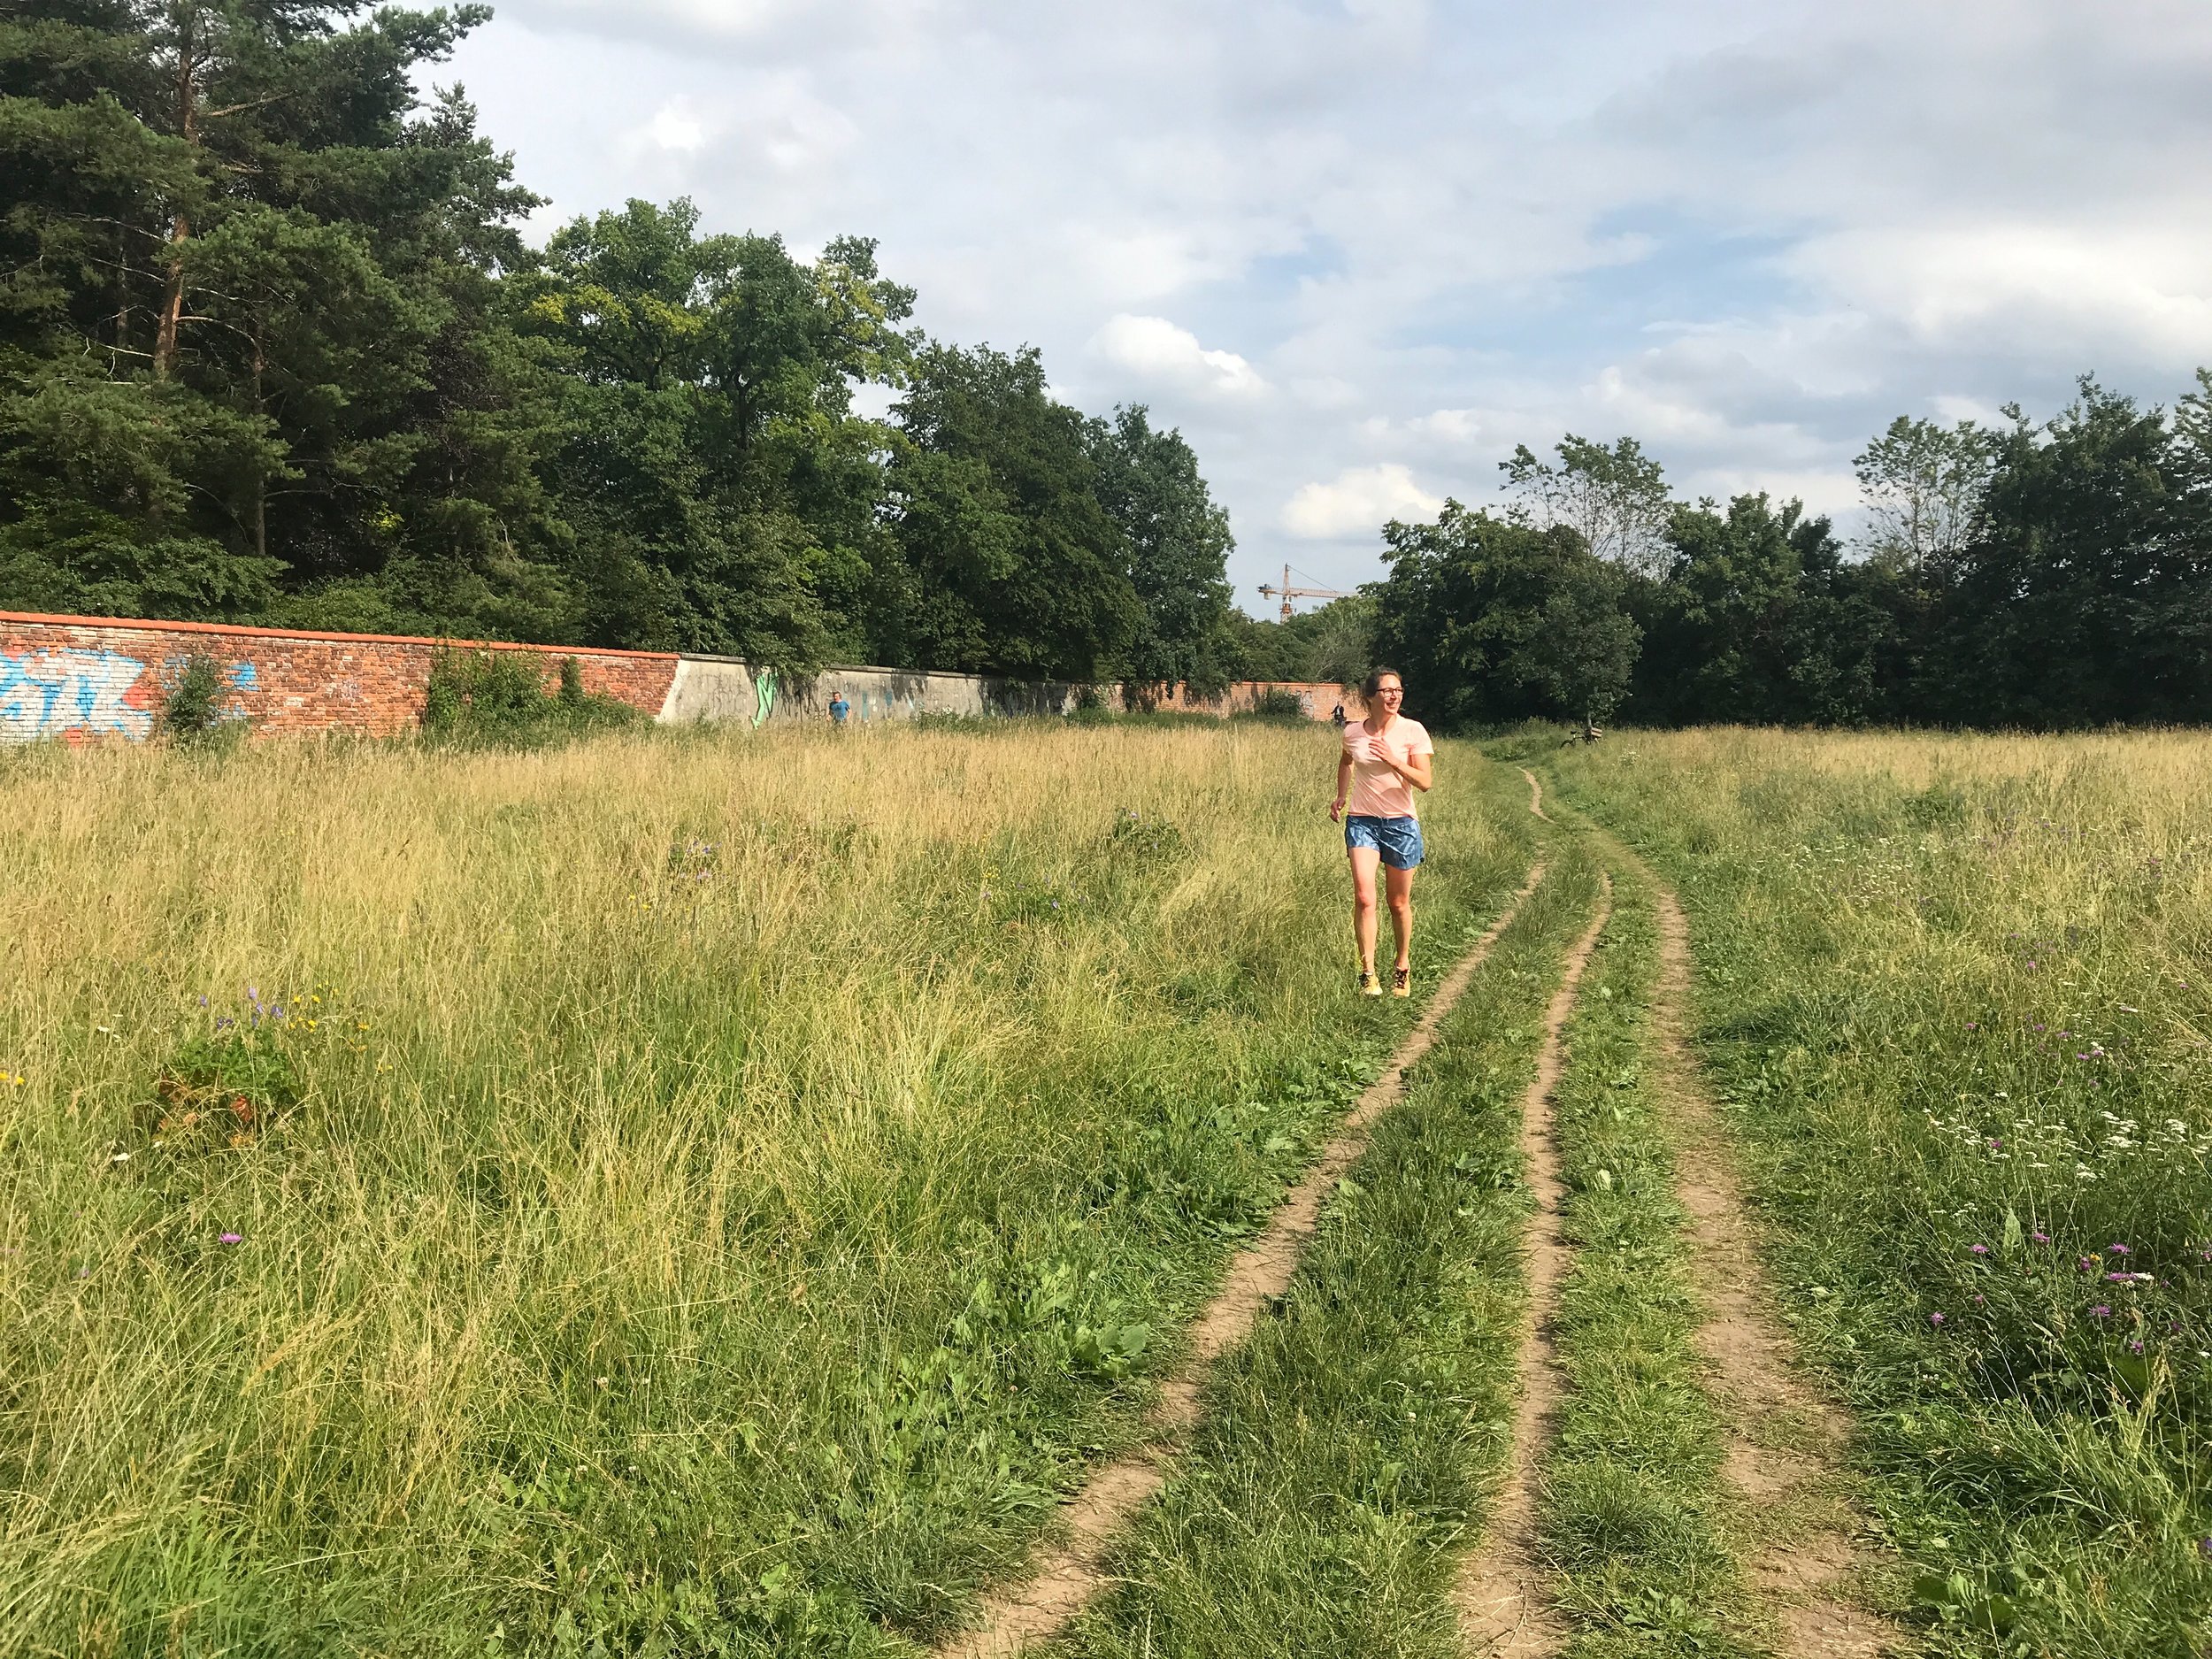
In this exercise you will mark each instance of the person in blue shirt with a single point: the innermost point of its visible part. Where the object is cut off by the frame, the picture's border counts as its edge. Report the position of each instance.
(838, 708)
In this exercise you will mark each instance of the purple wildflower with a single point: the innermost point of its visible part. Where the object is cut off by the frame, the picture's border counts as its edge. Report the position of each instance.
(2088, 1263)
(232, 1237)
(1936, 1320)
(2135, 1348)
(2045, 1238)
(1979, 1249)
(2100, 1312)
(2117, 1250)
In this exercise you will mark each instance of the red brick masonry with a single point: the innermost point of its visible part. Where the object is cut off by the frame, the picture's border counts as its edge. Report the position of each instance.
(81, 677)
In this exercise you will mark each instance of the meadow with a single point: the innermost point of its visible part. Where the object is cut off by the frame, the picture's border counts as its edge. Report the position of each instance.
(697, 1194)
(1955, 993)
(706, 1194)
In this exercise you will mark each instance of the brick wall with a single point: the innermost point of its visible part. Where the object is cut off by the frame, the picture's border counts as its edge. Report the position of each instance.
(85, 678)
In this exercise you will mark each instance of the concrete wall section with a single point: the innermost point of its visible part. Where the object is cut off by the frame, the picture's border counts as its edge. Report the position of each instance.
(83, 678)
(892, 694)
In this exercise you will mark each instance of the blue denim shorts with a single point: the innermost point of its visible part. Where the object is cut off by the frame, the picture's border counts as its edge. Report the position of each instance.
(1397, 839)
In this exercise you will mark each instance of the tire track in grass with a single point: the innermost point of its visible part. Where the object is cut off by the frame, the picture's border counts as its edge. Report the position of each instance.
(1535, 797)
(1501, 1607)
(1071, 1573)
(1783, 1441)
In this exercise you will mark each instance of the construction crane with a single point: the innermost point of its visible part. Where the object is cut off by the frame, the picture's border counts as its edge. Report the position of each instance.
(1287, 593)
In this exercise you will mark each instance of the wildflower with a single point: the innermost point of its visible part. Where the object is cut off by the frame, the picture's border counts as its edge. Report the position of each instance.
(1979, 1249)
(1981, 1302)
(2117, 1250)
(232, 1237)
(2041, 1238)
(2135, 1348)
(2101, 1311)
(2088, 1263)
(120, 1157)
(1936, 1320)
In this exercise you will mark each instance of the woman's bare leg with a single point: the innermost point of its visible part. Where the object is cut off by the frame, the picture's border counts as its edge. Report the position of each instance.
(1364, 862)
(1400, 884)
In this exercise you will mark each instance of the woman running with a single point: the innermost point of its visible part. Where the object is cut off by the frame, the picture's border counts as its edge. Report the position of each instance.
(1389, 756)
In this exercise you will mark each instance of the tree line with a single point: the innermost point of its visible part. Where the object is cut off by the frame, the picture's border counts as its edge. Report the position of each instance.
(2043, 575)
(273, 350)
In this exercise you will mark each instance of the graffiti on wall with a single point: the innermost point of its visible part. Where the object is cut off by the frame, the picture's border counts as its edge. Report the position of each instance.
(54, 694)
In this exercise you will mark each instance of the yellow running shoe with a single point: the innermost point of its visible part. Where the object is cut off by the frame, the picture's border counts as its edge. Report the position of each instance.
(1370, 986)
(1402, 981)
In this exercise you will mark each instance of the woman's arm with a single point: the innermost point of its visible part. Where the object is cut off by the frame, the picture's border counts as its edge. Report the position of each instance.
(1419, 770)
(1343, 785)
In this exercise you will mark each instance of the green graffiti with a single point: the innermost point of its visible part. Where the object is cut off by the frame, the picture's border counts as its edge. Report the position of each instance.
(764, 694)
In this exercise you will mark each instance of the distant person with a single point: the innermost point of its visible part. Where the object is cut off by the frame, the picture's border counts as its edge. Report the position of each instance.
(1383, 758)
(838, 708)
(1336, 717)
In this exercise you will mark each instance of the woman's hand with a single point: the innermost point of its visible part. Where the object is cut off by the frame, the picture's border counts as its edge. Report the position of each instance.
(1336, 810)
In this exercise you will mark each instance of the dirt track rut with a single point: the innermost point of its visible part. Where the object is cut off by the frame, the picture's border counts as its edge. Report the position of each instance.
(1784, 1441)
(1070, 1572)
(1502, 1607)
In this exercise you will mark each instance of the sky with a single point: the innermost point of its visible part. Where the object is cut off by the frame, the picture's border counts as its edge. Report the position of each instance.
(1358, 250)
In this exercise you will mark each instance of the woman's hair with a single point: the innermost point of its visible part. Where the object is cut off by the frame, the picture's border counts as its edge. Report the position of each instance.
(1370, 688)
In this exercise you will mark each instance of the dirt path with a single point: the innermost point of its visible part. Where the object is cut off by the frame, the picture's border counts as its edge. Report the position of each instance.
(1069, 1573)
(1784, 1442)
(1502, 1609)
(1535, 796)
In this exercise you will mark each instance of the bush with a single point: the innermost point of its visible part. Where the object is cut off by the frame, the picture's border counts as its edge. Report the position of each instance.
(498, 699)
(1279, 703)
(193, 710)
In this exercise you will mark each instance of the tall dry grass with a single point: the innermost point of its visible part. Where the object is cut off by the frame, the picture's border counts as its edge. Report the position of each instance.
(733, 1185)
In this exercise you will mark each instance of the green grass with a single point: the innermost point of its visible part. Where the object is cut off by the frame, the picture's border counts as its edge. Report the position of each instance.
(1628, 1510)
(1323, 1506)
(1954, 995)
(705, 1196)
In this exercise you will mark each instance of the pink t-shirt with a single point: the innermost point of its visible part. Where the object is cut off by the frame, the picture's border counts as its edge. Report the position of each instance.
(1377, 791)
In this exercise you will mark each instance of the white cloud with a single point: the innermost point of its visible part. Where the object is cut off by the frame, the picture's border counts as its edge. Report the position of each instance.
(1361, 501)
(1155, 350)
(1747, 232)
(675, 128)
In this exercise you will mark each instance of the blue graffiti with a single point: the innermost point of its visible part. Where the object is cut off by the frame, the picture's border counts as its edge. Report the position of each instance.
(50, 694)
(245, 677)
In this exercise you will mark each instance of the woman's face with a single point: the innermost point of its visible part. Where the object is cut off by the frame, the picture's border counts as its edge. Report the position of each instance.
(1390, 694)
